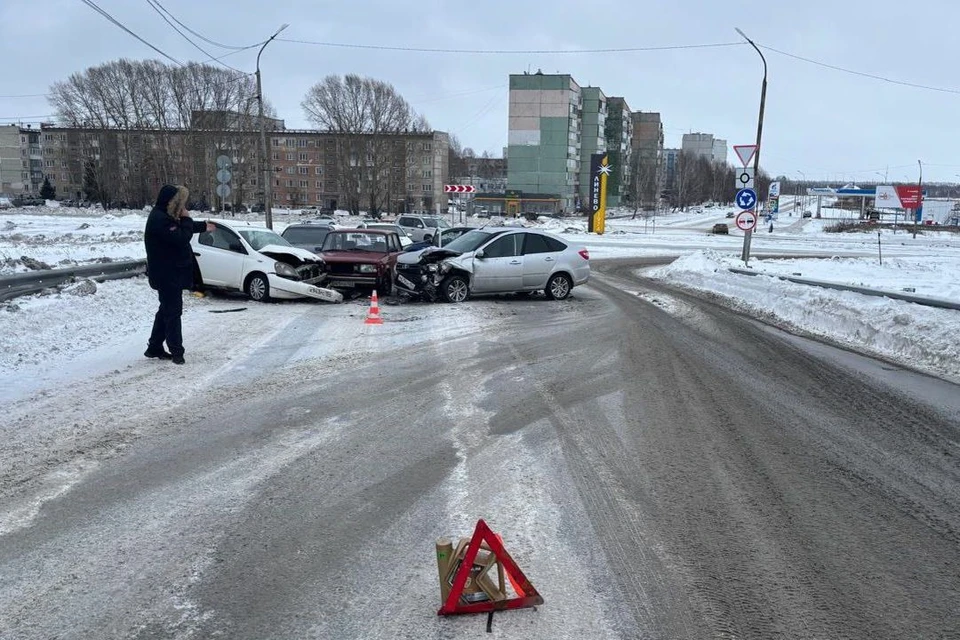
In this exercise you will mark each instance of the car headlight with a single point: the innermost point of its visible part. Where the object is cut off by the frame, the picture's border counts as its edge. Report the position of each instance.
(433, 267)
(367, 268)
(284, 270)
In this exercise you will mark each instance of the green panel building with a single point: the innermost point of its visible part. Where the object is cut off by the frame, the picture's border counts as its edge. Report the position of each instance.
(543, 146)
(619, 137)
(593, 137)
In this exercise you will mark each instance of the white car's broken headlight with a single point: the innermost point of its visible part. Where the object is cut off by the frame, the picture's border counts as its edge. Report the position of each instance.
(285, 271)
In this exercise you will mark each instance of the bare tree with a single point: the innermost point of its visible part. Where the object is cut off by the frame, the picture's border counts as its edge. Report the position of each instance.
(367, 115)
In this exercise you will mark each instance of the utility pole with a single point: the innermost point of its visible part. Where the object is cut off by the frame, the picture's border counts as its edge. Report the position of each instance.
(748, 235)
(267, 177)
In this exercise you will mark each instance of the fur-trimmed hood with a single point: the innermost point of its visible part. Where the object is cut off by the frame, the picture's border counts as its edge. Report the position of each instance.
(171, 199)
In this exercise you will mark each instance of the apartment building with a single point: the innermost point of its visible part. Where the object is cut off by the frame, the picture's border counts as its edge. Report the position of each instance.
(402, 172)
(618, 134)
(671, 169)
(12, 176)
(648, 161)
(592, 138)
(544, 156)
(705, 145)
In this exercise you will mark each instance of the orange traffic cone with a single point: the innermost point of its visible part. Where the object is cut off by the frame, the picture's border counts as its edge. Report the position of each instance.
(373, 316)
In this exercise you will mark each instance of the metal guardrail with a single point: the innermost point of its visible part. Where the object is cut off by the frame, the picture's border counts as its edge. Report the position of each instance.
(21, 284)
(906, 297)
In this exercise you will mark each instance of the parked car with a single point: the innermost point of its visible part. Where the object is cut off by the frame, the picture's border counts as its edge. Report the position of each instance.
(405, 239)
(494, 260)
(361, 258)
(440, 239)
(258, 208)
(730, 214)
(5, 202)
(422, 227)
(29, 200)
(307, 235)
(807, 214)
(239, 256)
(720, 228)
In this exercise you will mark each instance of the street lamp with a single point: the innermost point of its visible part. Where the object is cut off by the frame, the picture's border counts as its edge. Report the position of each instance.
(756, 156)
(803, 193)
(267, 178)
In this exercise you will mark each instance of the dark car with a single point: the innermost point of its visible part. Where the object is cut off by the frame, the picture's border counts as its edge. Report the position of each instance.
(307, 236)
(806, 214)
(361, 258)
(720, 228)
(441, 239)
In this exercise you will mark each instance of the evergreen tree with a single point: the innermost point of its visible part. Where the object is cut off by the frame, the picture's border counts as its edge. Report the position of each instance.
(47, 191)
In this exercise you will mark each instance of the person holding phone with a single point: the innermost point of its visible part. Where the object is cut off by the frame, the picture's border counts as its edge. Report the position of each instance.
(170, 268)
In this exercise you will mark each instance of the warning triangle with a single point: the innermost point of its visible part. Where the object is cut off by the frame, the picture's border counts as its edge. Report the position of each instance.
(527, 595)
(745, 152)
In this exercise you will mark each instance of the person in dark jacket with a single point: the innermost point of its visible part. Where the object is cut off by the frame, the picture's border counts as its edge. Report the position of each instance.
(170, 267)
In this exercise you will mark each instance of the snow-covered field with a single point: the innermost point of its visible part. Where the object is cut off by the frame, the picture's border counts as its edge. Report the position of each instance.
(41, 337)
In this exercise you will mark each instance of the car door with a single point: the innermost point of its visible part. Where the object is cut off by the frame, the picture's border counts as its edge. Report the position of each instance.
(220, 255)
(501, 267)
(540, 257)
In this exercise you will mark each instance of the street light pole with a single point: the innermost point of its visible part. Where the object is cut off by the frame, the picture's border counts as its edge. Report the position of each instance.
(803, 194)
(747, 236)
(267, 178)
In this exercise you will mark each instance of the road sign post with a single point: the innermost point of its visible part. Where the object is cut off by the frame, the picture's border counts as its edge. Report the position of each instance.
(223, 179)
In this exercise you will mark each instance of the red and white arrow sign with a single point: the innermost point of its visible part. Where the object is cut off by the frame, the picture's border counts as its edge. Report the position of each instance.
(459, 188)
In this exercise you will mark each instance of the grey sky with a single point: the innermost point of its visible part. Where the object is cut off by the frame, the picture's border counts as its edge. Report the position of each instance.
(827, 124)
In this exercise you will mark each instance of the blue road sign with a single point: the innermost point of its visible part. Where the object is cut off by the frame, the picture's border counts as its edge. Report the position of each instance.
(746, 199)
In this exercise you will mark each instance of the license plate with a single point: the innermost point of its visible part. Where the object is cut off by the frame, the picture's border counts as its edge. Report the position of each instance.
(405, 282)
(340, 283)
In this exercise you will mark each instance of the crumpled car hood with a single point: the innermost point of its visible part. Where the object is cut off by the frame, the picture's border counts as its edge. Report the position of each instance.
(426, 256)
(276, 250)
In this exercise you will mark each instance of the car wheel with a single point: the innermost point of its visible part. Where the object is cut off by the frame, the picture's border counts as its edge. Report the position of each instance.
(558, 287)
(455, 289)
(258, 288)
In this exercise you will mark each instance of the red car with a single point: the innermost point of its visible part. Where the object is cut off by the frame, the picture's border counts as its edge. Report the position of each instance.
(361, 258)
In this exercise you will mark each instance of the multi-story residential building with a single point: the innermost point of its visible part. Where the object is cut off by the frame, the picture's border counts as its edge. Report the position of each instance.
(31, 159)
(619, 143)
(671, 169)
(704, 145)
(544, 142)
(402, 172)
(11, 165)
(593, 136)
(647, 180)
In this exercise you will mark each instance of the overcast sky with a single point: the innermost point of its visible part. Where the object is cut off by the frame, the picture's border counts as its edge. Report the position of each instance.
(828, 124)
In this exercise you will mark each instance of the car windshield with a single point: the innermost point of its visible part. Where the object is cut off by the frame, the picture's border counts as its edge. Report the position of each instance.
(400, 231)
(305, 235)
(356, 241)
(437, 223)
(260, 238)
(469, 241)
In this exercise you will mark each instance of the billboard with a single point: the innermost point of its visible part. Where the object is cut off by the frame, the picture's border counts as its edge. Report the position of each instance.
(599, 174)
(898, 197)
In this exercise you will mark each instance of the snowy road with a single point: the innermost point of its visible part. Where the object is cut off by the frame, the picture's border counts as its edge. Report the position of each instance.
(659, 466)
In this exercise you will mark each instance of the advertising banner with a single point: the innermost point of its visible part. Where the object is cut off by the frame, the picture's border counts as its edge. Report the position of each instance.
(599, 174)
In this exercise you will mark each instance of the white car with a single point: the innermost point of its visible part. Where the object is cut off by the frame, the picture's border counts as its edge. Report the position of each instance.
(241, 256)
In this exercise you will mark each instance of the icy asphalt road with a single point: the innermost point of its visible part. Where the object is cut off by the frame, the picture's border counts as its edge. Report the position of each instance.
(659, 466)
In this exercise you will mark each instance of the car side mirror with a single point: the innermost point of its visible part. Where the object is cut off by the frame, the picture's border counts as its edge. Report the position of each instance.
(480, 255)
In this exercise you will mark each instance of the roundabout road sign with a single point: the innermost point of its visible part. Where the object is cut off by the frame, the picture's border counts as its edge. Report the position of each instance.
(746, 199)
(746, 220)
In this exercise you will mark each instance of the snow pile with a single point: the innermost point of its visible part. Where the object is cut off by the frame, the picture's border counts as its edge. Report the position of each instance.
(924, 337)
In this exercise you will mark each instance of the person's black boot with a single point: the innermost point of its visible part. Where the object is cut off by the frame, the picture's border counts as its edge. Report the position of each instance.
(177, 359)
(161, 354)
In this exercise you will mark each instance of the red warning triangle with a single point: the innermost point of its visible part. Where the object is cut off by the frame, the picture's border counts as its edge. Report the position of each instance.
(527, 595)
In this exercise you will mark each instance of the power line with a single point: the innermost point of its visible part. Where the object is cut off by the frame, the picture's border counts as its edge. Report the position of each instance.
(511, 51)
(205, 39)
(859, 73)
(95, 7)
(155, 6)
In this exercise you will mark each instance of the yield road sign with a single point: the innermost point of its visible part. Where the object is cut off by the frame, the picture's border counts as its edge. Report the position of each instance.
(744, 179)
(746, 220)
(745, 152)
(746, 198)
